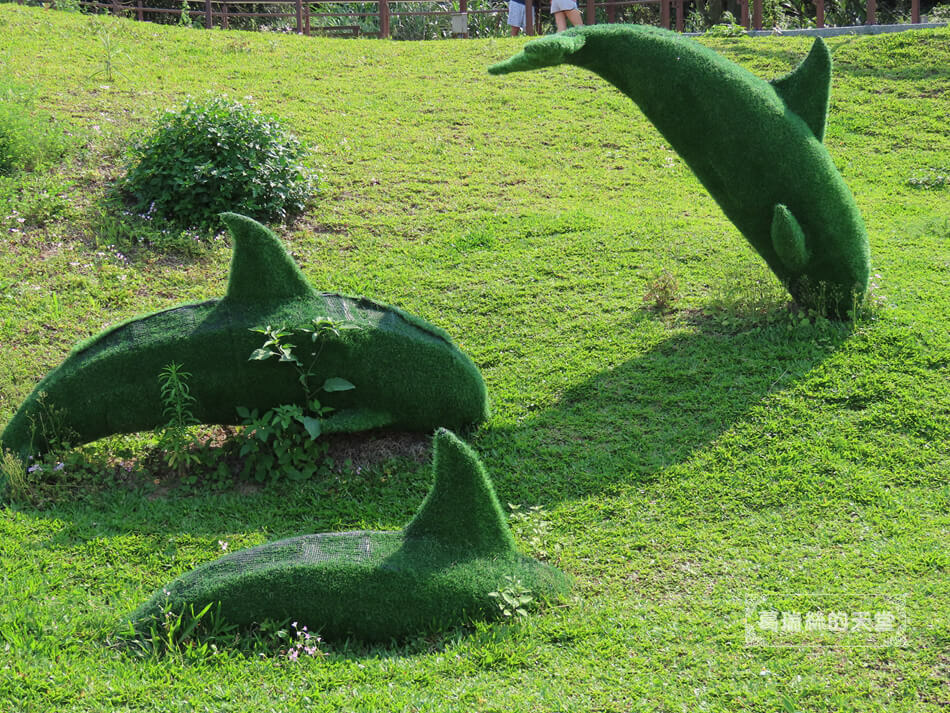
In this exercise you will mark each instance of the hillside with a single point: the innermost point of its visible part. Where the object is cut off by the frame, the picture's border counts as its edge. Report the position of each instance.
(694, 466)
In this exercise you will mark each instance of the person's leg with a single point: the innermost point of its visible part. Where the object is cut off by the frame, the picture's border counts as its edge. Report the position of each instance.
(574, 16)
(560, 21)
(516, 17)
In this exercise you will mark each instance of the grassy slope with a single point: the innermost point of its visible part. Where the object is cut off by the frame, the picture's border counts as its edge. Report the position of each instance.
(684, 468)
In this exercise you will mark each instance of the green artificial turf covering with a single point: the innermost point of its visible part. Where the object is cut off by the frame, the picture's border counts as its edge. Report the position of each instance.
(406, 373)
(755, 145)
(375, 586)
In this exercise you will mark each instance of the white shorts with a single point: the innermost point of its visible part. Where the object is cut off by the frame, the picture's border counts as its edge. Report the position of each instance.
(562, 5)
(516, 14)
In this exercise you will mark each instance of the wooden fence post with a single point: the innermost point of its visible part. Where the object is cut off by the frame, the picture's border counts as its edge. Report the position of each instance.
(872, 13)
(680, 15)
(209, 18)
(591, 17)
(298, 15)
(529, 17)
(915, 11)
(384, 18)
(665, 14)
(139, 15)
(463, 10)
(744, 13)
(756, 14)
(820, 13)
(306, 19)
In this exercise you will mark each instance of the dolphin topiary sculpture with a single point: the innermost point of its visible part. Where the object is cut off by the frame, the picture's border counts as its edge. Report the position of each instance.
(375, 586)
(407, 373)
(755, 145)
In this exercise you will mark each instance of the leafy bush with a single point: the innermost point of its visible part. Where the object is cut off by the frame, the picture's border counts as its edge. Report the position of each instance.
(213, 156)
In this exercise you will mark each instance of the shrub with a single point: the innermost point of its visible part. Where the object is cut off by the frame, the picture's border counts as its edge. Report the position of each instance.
(214, 156)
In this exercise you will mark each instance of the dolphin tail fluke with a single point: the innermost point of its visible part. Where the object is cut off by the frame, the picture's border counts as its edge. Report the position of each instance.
(462, 510)
(788, 239)
(807, 89)
(261, 268)
(543, 52)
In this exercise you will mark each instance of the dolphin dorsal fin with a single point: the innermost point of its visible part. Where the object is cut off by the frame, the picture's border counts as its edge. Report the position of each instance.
(788, 239)
(461, 510)
(261, 269)
(806, 90)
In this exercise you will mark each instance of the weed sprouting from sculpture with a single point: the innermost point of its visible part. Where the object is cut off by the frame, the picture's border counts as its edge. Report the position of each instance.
(778, 185)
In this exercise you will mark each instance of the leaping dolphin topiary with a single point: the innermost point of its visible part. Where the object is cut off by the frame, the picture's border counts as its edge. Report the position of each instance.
(407, 373)
(376, 586)
(755, 145)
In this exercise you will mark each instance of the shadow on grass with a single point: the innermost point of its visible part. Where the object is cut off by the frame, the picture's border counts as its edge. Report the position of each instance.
(621, 426)
(624, 425)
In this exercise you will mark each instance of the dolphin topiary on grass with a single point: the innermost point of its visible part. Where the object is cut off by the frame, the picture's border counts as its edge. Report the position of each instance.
(755, 145)
(407, 373)
(375, 586)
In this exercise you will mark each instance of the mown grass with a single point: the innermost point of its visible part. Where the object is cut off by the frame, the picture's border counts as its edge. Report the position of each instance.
(687, 460)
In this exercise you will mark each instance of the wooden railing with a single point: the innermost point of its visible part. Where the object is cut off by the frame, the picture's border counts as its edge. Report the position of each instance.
(219, 12)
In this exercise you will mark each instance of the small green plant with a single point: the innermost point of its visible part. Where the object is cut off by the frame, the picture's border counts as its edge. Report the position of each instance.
(190, 634)
(532, 526)
(214, 156)
(49, 422)
(282, 442)
(202, 634)
(276, 344)
(59, 470)
(662, 291)
(13, 476)
(176, 438)
(111, 54)
(513, 599)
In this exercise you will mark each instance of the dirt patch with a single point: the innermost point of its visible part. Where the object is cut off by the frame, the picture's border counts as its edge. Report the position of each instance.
(365, 450)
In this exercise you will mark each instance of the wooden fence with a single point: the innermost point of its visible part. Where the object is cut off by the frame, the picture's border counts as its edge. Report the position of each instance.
(219, 12)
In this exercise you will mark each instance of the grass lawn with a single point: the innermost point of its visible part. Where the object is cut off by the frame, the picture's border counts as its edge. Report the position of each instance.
(695, 467)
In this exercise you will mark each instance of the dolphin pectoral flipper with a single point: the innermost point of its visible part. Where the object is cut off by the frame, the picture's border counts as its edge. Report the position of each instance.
(788, 239)
(543, 52)
(806, 90)
(356, 419)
